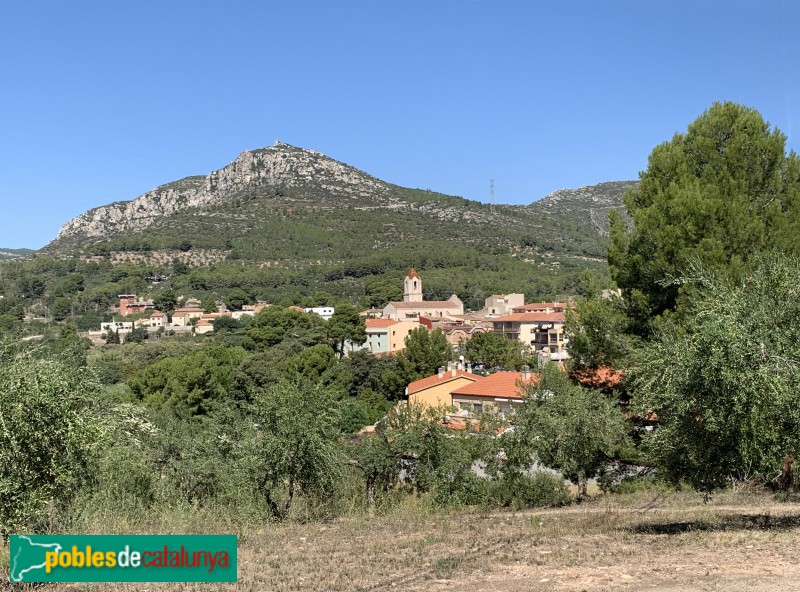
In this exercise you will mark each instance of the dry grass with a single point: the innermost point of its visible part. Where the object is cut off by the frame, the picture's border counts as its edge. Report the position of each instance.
(653, 541)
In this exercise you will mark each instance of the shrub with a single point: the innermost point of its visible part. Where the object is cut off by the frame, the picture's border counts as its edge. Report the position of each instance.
(529, 491)
(51, 431)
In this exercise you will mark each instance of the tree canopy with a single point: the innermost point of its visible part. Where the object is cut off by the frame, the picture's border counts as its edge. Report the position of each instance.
(725, 392)
(345, 325)
(721, 191)
(569, 428)
(51, 427)
(427, 351)
(295, 448)
(493, 349)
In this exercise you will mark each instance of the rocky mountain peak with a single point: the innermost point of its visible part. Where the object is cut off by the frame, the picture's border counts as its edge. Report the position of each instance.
(277, 169)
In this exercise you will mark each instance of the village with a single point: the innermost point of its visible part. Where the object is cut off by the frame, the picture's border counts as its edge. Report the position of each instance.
(466, 386)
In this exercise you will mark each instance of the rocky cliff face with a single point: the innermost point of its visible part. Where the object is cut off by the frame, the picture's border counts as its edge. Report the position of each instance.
(278, 168)
(594, 200)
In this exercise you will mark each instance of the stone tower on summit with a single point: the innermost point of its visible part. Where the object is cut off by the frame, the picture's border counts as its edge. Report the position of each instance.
(412, 287)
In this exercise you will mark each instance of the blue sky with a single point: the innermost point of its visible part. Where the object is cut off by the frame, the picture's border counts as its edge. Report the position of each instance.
(103, 101)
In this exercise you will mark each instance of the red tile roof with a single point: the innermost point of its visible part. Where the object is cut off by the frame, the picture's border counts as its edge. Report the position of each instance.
(412, 273)
(534, 306)
(426, 304)
(430, 381)
(499, 384)
(215, 315)
(532, 317)
(603, 378)
(380, 323)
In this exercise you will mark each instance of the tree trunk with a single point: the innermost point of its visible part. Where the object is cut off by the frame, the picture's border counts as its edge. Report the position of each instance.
(291, 495)
(264, 488)
(371, 493)
(583, 484)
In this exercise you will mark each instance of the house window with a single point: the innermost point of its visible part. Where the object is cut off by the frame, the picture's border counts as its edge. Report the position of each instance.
(478, 407)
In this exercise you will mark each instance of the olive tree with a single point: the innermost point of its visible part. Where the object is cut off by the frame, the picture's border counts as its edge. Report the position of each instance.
(50, 432)
(574, 430)
(295, 445)
(725, 389)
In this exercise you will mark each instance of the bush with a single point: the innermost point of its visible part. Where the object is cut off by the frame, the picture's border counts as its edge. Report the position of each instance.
(528, 491)
(354, 416)
(51, 430)
(466, 488)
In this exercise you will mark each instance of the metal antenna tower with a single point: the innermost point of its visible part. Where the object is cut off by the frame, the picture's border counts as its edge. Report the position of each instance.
(491, 195)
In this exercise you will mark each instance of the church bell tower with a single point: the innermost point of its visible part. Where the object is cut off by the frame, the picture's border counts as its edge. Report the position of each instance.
(412, 287)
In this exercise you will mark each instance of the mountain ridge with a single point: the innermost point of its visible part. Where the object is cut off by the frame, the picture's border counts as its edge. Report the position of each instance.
(8, 253)
(268, 166)
(289, 207)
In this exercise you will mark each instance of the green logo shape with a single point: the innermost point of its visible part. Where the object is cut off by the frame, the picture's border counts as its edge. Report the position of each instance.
(123, 558)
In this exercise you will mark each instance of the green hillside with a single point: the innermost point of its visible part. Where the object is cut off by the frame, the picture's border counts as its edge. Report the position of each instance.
(13, 253)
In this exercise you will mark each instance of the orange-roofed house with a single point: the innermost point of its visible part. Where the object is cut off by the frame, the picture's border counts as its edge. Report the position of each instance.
(436, 390)
(502, 390)
(604, 378)
(206, 322)
(157, 319)
(542, 332)
(129, 305)
(182, 317)
(455, 332)
(378, 335)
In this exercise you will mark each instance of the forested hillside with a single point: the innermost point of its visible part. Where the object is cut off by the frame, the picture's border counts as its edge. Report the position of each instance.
(13, 253)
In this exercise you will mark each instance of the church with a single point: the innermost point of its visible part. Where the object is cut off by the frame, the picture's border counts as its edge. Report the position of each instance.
(413, 306)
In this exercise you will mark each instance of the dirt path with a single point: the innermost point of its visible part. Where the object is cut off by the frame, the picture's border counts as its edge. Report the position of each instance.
(751, 547)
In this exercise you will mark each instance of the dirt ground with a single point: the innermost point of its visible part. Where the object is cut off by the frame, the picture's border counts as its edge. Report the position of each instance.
(666, 542)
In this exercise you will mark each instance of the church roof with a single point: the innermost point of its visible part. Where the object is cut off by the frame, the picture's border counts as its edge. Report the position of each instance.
(426, 304)
(412, 273)
(531, 317)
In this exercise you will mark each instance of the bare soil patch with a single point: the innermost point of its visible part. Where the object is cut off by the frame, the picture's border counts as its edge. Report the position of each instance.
(666, 542)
